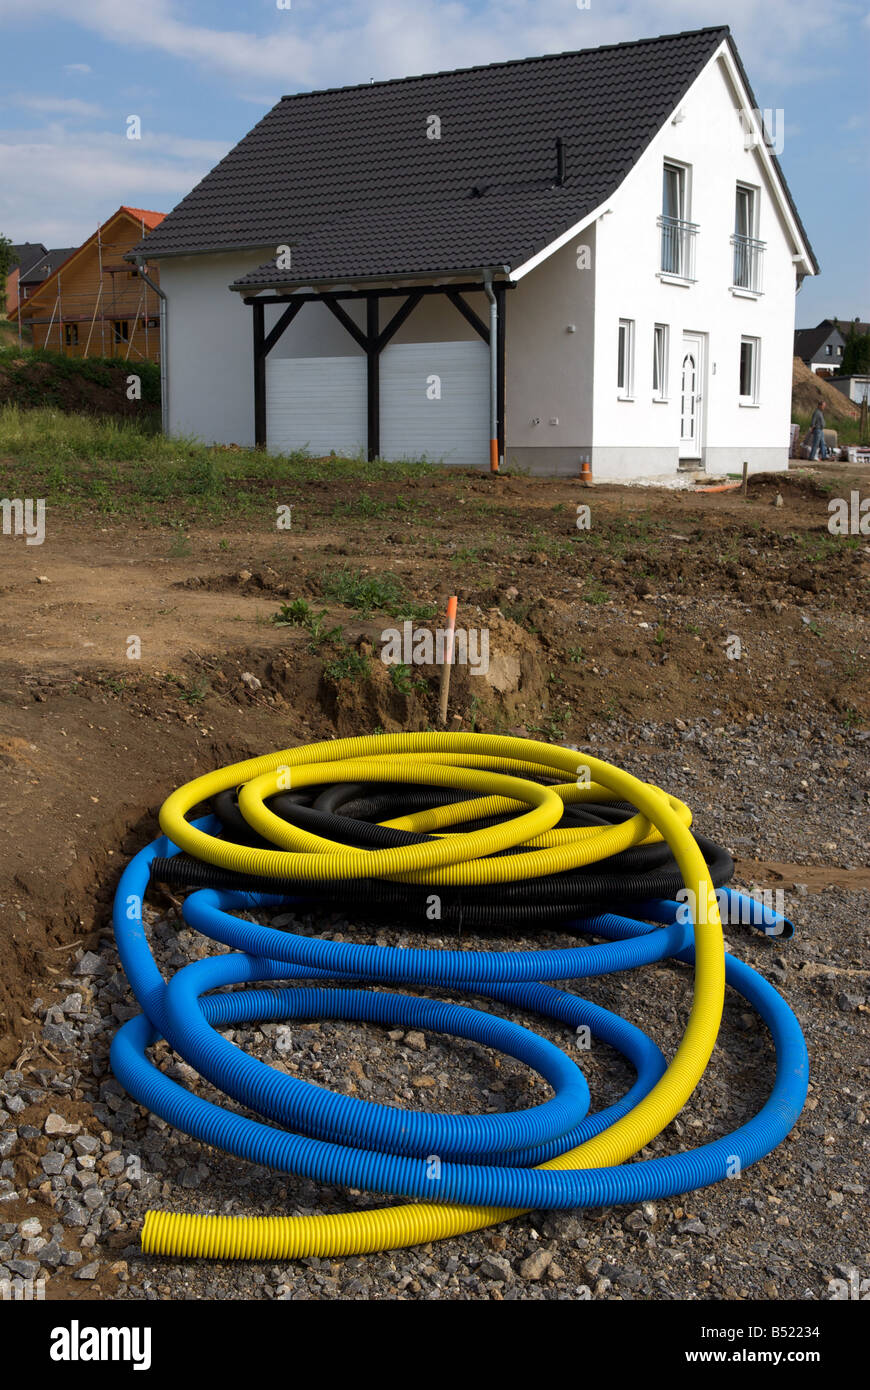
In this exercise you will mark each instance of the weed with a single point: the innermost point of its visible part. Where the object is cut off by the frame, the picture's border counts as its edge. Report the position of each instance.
(370, 593)
(181, 545)
(298, 613)
(404, 681)
(348, 666)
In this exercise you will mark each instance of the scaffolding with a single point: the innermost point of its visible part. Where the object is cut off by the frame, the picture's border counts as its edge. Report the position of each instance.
(115, 303)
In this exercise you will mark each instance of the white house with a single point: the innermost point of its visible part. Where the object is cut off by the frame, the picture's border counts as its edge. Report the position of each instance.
(589, 256)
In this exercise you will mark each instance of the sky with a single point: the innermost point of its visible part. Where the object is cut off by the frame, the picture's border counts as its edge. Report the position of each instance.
(200, 73)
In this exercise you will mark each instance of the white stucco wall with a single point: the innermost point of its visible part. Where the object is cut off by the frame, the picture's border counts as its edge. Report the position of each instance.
(210, 356)
(640, 437)
(548, 372)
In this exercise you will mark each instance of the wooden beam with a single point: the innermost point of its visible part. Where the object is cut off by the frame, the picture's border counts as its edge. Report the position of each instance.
(345, 319)
(259, 375)
(399, 317)
(283, 323)
(468, 313)
(312, 297)
(373, 376)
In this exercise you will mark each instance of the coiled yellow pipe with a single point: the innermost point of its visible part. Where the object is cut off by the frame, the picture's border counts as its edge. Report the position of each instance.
(386, 758)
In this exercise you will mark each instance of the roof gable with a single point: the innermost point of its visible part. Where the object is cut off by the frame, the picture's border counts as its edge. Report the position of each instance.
(26, 253)
(808, 342)
(63, 260)
(44, 266)
(350, 180)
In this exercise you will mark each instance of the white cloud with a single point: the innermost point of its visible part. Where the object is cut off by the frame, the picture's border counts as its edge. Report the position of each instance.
(89, 175)
(326, 45)
(77, 67)
(56, 106)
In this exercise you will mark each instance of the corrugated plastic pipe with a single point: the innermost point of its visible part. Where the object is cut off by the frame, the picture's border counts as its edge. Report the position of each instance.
(342, 1138)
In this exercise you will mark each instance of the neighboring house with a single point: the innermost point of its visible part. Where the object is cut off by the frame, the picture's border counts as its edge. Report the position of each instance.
(45, 265)
(23, 257)
(586, 256)
(857, 388)
(93, 302)
(821, 348)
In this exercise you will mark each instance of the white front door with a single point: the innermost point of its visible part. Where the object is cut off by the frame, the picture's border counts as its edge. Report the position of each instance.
(691, 395)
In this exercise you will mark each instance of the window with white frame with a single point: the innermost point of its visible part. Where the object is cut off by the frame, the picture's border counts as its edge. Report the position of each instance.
(660, 362)
(625, 364)
(748, 250)
(678, 233)
(749, 370)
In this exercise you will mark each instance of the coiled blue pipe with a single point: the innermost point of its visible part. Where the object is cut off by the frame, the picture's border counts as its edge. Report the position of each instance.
(343, 1139)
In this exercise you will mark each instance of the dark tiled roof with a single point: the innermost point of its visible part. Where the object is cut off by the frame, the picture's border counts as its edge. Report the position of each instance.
(349, 180)
(45, 265)
(26, 252)
(807, 341)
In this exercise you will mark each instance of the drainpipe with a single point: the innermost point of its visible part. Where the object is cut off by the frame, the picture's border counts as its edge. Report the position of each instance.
(164, 345)
(493, 371)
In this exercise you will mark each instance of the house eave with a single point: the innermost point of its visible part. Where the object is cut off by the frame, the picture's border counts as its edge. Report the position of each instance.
(398, 279)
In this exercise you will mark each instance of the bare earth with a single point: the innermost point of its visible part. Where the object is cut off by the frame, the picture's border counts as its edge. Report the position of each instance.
(615, 638)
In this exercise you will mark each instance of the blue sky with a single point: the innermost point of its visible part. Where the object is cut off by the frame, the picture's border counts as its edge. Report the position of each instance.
(200, 73)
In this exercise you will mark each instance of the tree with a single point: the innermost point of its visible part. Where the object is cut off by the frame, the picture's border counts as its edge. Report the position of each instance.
(856, 353)
(7, 261)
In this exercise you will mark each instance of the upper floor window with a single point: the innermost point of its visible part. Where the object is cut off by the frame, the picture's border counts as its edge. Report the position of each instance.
(746, 274)
(121, 331)
(678, 232)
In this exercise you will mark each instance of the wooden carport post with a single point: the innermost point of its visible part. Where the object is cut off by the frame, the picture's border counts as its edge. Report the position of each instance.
(259, 374)
(373, 376)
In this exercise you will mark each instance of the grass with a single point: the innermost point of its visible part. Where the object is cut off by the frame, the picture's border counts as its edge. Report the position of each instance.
(128, 468)
(44, 387)
(848, 431)
(370, 593)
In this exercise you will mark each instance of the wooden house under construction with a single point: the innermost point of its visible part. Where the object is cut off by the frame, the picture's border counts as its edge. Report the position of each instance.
(96, 304)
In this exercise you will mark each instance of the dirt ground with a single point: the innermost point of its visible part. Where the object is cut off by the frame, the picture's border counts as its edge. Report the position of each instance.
(670, 613)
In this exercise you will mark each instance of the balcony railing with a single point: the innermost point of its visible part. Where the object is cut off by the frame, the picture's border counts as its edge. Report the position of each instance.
(678, 247)
(748, 260)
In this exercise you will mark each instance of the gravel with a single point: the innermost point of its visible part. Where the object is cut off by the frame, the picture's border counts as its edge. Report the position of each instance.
(80, 1163)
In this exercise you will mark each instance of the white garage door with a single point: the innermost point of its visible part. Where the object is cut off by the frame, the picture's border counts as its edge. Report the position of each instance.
(435, 402)
(316, 403)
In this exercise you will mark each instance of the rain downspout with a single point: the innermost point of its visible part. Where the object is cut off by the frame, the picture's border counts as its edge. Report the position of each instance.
(493, 371)
(164, 345)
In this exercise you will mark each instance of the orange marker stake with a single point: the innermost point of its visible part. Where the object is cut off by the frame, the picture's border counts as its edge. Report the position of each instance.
(448, 657)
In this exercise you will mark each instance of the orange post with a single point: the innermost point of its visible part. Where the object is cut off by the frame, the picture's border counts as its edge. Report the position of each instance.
(586, 473)
(493, 456)
(452, 604)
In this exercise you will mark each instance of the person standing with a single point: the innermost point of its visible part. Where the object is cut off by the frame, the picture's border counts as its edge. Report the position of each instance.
(817, 425)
